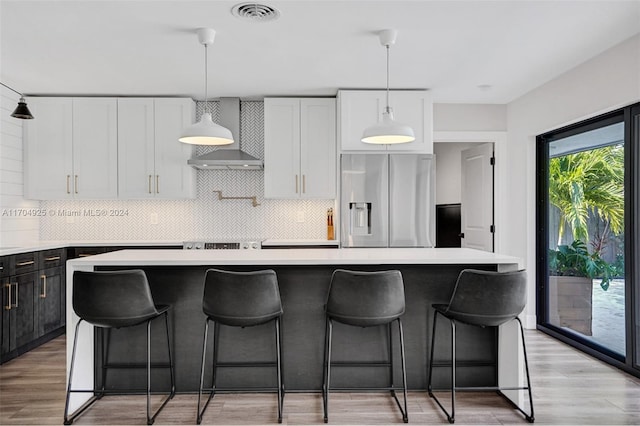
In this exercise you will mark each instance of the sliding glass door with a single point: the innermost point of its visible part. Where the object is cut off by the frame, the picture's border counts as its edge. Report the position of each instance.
(586, 191)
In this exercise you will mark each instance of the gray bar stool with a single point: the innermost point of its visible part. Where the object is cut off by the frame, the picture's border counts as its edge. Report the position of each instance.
(365, 299)
(240, 299)
(484, 299)
(116, 299)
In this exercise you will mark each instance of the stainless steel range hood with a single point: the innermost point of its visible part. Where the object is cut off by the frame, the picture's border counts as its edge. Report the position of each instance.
(228, 157)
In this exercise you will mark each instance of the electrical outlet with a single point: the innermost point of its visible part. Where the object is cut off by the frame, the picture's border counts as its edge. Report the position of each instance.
(300, 216)
(154, 218)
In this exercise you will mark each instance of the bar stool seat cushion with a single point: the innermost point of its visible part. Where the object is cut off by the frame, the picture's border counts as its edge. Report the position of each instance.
(241, 299)
(114, 299)
(365, 299)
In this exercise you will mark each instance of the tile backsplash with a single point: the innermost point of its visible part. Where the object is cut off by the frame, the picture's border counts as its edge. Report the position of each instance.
(204, 217)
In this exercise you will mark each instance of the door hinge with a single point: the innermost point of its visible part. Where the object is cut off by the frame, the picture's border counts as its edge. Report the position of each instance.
(492, 161)
(492, 229)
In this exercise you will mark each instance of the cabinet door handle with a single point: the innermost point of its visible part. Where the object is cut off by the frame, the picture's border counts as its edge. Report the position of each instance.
(68, 180)
(51, 259)
(8, 305)
(157, 184)
(296, 184)
(150, 178)
(76, 184)
(26, 263)
(304, 184)
(16, 295)
(43, 295)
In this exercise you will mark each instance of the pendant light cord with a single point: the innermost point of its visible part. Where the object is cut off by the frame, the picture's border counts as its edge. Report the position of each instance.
(13, 90)
(387, 108)
(206, 74)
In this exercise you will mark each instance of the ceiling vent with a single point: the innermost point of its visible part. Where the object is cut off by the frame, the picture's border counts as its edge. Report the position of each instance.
(255, 12)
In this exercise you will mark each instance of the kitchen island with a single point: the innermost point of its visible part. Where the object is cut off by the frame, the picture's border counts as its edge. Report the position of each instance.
(176, 278)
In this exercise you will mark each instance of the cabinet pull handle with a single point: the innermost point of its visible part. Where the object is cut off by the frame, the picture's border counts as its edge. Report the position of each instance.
(26, 263)
(85, 254)
(76, 184)
(68, 180)
(51, 259)
(150, 177)
(16, 294)
(157, 184)
(296, 184)
(43, 295)
(304, 184)
(8, 306)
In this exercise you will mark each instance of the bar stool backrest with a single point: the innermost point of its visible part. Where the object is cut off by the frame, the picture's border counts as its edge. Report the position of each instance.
(113, 298)
(488, 298)
(365, 298)
(241, 298)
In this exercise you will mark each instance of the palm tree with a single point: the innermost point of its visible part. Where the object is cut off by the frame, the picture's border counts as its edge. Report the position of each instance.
(588, 182)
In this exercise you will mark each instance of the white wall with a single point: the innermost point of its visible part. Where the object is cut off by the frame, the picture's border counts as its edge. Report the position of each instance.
(469, 117)
(448, 171)
(16, 225)
(604, 83)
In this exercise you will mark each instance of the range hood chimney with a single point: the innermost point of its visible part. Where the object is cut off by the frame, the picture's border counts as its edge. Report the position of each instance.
(228, 157)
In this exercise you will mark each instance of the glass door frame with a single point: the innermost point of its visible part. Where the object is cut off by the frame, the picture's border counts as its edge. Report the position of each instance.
(629, 362)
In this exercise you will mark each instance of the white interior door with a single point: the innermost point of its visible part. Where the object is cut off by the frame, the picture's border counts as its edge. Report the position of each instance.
(477, 197)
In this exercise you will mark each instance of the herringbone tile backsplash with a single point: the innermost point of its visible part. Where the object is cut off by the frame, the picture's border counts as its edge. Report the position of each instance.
(204, 217)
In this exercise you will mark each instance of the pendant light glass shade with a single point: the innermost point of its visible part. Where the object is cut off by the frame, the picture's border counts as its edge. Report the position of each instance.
(389, 131)
(205, 131)
(22, 111)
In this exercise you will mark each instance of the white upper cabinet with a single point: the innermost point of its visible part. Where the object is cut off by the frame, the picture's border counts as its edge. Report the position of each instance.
(48, 149)
(71, 150)
(300, 148)
(107, 148)
(359, 109)
(152, 163)
(95, 147)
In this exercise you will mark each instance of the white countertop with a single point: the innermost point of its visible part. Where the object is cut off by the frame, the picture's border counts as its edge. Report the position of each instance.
(349, 256)
(300, 242)
(47, 245)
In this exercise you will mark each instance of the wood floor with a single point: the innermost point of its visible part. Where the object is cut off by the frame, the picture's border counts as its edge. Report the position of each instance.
(569, 388)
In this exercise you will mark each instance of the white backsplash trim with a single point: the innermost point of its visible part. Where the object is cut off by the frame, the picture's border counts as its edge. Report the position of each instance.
(205, 217)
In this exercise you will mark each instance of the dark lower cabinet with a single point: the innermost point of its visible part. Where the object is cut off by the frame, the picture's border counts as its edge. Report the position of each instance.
(51, 300)
(23, 315)
(33, 301)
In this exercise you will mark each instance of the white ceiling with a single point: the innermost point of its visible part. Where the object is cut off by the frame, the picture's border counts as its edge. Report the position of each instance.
(149, 48)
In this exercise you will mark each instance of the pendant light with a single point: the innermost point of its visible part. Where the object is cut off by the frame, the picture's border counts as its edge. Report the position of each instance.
(389, 131)
(21, 111)
(205, 131)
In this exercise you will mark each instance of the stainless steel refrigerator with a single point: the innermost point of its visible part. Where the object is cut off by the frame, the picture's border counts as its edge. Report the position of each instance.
(387, 200)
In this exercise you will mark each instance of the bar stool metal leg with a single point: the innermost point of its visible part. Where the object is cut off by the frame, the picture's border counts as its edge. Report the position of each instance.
(450, 417)
(105, 357)
(151, 418)
(433, 339)
(68, 419)
(279, 370)
(405, 413)
(204, 359)
(391, 375)
(530, 417)
(171, 366)
(327, 368)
